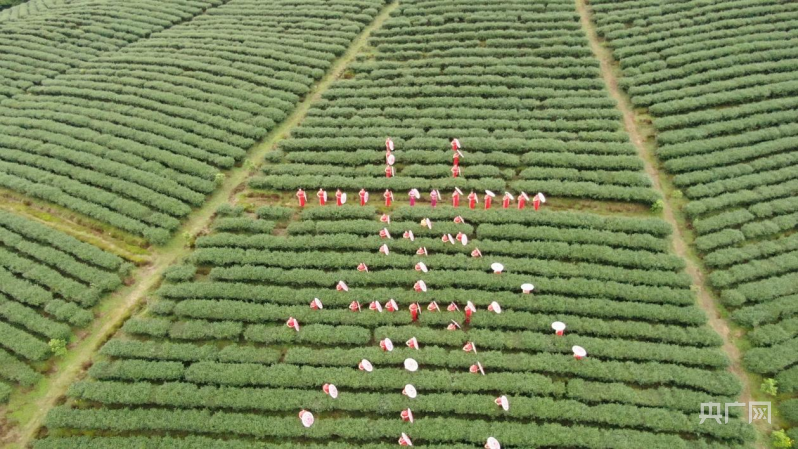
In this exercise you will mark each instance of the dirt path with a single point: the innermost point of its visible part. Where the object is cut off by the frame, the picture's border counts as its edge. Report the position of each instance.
(680, 245)
(31, 408)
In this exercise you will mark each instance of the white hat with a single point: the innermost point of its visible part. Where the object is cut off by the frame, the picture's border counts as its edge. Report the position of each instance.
(558, 326)
(411, 365)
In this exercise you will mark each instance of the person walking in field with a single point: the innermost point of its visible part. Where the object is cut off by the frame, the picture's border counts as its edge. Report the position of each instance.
(322, 195)
(339, 197)
(413, 195)
(538, 200)
(456, 197)
(455, 144)
(506, 200)
(364, 197)
(302, 197)
(456, 158)
(388, 195)
(522, 200)
(390, 172)
(473, 199)
(456, 171)
(434, 196)
(488, 198)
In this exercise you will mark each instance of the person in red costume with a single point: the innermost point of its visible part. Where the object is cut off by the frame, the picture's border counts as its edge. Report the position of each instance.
(472, 200)
(456, 197)
(506, 200)
(302, 196)
(388, 195)
(339, 198)
(322, 195)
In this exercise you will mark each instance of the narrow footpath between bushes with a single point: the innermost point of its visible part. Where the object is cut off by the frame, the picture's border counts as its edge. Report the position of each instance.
(636, 129)
(29, 410)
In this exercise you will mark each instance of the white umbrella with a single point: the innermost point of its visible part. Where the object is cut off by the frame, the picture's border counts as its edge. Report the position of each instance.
(502, 402)
(411, 365)
(307, 418)
(365, 365)
(497, 267)
(331, 390)
(493, 443)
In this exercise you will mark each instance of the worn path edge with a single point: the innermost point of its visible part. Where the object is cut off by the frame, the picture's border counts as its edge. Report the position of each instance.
(671, 214)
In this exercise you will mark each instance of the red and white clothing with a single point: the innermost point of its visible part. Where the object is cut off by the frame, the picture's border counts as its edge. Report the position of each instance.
(388, 195)
(302, 197)
(472, 200)
(456, 197)
(506, 200)
(364, 197)
(434, 196)
(522, 200)
(322, 195)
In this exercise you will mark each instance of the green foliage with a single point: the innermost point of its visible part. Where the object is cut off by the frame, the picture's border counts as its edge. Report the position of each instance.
(779, 439)
(769, 387)
(58, 347)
